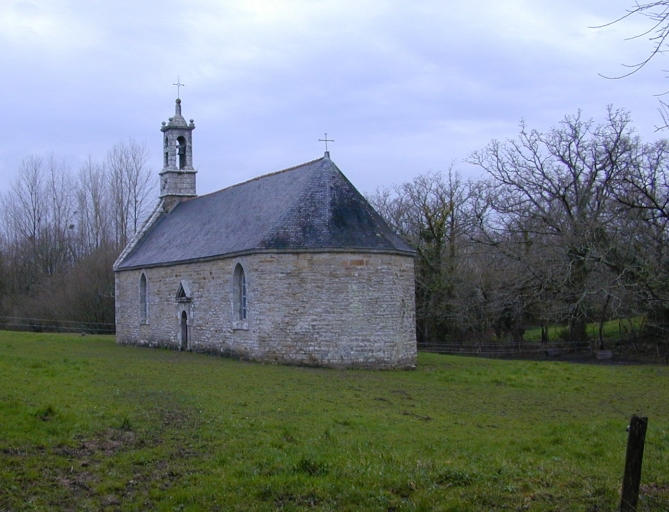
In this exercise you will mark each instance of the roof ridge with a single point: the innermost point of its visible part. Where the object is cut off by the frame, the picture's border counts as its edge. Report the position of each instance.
(256, 178)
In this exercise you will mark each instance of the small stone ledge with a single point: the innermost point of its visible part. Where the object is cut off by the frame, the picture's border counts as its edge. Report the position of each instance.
(240, 325)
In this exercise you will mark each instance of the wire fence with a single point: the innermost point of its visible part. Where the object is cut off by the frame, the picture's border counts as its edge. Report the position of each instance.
(17, 323)
(502, 350)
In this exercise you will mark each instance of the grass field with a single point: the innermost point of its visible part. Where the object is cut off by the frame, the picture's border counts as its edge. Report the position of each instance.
(89, 425)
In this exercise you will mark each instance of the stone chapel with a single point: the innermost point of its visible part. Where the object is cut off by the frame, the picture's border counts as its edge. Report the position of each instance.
(290, 267)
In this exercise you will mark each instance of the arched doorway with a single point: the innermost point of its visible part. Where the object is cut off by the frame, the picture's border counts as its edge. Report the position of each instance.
(184, 331)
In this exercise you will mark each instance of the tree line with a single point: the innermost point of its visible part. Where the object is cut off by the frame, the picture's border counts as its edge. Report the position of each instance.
(62, 230)
(568, 226)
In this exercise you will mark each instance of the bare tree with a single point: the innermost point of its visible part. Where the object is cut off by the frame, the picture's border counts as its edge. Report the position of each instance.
(24, 217)
(94, 215)
(131, 185)
(657, 32)
(556, 187)
(645, 186)
(58, 236)
(61, 233)
(431, 214)
(643, 194)
(570, 227)
(37, 214)
(23, 205)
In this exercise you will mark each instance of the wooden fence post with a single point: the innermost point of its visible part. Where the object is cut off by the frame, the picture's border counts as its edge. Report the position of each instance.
(632, 477)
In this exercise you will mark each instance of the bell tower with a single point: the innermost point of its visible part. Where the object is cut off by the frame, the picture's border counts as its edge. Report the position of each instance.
(177, 179)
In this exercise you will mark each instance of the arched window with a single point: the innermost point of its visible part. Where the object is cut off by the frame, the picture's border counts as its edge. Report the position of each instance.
(181, 149)
(239, 294)
(184, 331)
(143, 300)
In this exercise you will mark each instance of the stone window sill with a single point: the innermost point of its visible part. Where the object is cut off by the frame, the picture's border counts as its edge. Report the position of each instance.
(240, 325)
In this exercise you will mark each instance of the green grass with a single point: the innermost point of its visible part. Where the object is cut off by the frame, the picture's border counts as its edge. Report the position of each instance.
(612, 330)
(89, 425)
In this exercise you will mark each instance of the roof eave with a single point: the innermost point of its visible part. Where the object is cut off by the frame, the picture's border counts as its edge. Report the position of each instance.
(236, 254)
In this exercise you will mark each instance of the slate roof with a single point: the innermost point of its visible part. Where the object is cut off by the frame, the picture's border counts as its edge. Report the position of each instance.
(311, 207)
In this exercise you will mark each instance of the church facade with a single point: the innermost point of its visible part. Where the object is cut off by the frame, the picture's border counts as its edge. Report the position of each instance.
(291, 267)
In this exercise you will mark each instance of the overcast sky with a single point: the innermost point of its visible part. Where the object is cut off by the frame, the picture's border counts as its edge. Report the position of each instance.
(403, 87)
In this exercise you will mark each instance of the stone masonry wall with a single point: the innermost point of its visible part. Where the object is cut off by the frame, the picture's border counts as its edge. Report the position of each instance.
(178, 183)
(329, 309)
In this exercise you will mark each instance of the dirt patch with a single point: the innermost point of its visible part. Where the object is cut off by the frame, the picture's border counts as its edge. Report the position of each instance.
(84, 479)
(76, 483)
(108, 442)
(654, 492)
(417, 416)
(402, 393)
